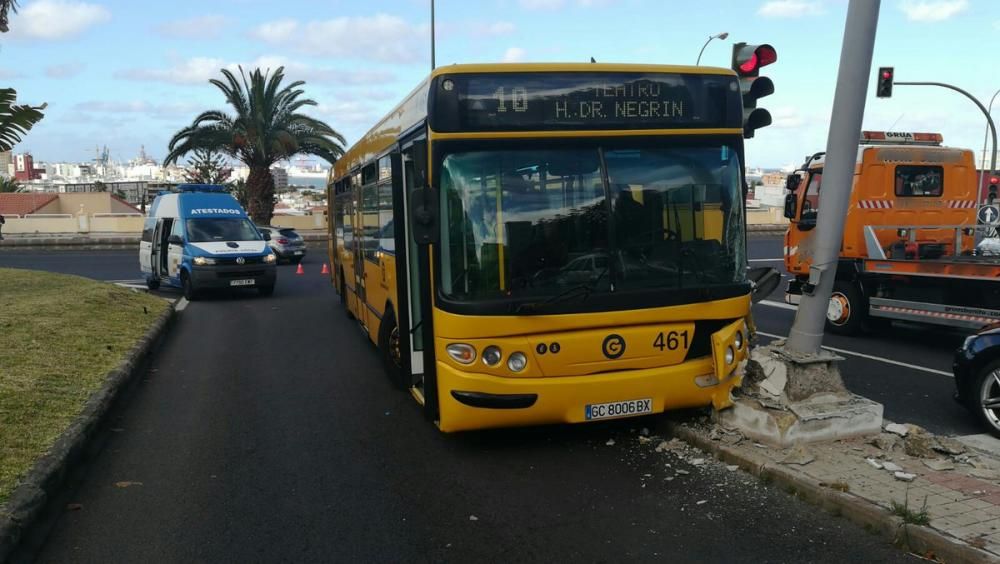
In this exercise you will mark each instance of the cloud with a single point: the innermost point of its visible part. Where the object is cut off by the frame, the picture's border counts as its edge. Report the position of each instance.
(358, 37)
(56, 19)
(199, 70)
(559, 4)
(790, 9)
(786, 118)
(494, 29)
(65, 70)
(514, 55)
(7, 74)
(138, 107)
(932, 10)
(199, 27)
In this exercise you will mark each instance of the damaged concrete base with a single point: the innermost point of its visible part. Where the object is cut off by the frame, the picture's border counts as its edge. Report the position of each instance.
(824, 417)
(790, 399)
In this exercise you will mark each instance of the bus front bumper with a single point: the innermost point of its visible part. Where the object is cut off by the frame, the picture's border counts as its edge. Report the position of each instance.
(477, 401)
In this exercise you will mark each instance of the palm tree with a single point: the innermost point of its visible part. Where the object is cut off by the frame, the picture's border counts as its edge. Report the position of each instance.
(266, 128)
(5, 7)
(207, 167)
(8, 185)
(15, 120)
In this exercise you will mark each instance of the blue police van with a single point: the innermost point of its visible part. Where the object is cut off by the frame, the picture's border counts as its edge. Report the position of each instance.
(200, 238)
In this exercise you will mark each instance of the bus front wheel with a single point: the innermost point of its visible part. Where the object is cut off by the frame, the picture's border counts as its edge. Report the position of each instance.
(389, 347)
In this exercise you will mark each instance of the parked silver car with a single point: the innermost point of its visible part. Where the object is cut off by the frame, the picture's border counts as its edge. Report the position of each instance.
(285, 242)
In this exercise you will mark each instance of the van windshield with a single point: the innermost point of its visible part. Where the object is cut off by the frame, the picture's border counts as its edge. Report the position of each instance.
(221, 229)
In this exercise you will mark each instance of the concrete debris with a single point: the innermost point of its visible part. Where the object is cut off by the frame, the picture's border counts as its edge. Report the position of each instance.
(979, 463)
(715, 435)
(897, 429)
(892, 466)
(669, 478)
(732, 467)
(643, 440)
(664, 445)
(611, 442)
(948, 445)
(701, 502)
(800, 456)
(920, 444)
(874, 463)
(905, 477)
(732, 439)
(644, 432)
(985, 473)
(697, 461)
(683, 472)
(885, 441)
(473, 518)
(768, 403)
(939, 464)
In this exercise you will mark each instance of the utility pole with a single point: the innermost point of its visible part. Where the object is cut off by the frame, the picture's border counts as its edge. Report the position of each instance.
(432, 34)
(806, 336)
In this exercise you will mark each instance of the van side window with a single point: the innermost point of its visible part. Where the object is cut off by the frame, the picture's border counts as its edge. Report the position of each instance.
(148, 226)
(178, 229)
(919, 180)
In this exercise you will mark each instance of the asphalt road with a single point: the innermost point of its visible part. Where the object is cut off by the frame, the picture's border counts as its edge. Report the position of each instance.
(265, 431)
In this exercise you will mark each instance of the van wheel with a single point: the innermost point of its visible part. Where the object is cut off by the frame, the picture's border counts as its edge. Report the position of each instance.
(187, 285)
(389, 347)
(847, 311)
(153, 283)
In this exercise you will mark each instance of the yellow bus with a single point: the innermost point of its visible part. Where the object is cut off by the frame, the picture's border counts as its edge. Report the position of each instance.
(550, 243)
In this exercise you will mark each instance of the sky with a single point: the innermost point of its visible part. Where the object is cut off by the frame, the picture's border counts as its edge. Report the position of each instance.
(123, 73)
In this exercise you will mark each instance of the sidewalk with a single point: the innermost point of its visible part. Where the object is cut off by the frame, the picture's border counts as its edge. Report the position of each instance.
(936, 496)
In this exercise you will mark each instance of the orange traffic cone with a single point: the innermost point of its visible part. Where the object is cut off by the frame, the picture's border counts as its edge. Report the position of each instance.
(299, 269)
(326, 269)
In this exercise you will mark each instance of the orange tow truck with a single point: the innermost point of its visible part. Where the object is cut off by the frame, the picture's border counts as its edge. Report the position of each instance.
(909, 250)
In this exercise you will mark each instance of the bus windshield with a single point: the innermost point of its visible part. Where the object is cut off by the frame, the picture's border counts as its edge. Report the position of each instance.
(527, 223)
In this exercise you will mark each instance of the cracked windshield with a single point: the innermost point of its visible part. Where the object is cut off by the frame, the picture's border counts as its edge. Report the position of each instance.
(610, 219)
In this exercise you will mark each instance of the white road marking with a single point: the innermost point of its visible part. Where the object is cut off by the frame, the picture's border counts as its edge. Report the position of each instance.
(133, 286)
(181, 304)
(781, 305)
(128, 281)
(767, 260)
(872, 357)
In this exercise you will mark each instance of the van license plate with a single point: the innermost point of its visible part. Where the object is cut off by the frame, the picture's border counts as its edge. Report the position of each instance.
(297, 253)
(625, 408)
(249, 282)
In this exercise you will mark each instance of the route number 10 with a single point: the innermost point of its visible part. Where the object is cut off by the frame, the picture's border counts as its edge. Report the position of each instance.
(518, 99)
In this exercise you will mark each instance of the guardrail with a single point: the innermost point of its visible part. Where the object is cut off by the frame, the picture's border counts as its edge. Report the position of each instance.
(122, 214)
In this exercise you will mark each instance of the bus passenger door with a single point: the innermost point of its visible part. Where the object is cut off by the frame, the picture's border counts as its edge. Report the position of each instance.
(411, 289)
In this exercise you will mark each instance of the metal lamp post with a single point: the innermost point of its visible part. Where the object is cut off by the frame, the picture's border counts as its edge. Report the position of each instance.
(722, 35)
(986, 135)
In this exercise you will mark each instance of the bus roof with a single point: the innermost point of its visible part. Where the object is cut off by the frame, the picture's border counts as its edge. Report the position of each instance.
(413, 109)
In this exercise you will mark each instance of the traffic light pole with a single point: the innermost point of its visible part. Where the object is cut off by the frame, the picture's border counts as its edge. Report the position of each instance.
(989, 120)
(806, 336)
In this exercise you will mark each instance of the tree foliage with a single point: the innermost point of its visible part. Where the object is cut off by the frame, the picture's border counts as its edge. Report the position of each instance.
(6, 7)
(267, 126)
(207, 167)
(238, 189)
(15, 119)
(8, 185)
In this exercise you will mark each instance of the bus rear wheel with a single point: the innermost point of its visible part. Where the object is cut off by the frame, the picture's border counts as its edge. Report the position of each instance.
(343, 296)
(846, 313)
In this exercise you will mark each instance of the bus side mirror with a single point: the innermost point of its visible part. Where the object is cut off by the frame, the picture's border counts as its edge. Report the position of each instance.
(792, 182)
(763, 281)
(423, 215)
(790, 205)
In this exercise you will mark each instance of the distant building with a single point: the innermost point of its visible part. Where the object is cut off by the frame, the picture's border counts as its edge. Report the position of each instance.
(280, 179)
(24, 168)
(773, 178)
(6, 164)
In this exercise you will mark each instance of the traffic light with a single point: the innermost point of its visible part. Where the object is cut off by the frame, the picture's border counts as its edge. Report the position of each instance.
(991, 190)
(884, 87)
(747, 61)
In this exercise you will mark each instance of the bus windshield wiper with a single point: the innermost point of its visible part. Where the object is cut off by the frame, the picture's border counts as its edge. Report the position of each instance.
(581, 291)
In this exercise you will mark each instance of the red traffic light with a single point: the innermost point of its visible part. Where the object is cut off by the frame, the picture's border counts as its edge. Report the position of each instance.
(886, 75)
(748, 62)
(994, 180)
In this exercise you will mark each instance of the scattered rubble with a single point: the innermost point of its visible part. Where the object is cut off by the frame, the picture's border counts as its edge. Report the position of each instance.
(939, 464)
(611, 442)
(892, 466)
(473, 518)
(920, 444)
(905, 476)
(885, 441)
(897, 429)
(732, 467)
(799, 455)
(874, 463)
(948, 445)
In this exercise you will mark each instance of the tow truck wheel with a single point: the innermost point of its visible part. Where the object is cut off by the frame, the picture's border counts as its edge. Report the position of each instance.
(846, 312)
(986, 399)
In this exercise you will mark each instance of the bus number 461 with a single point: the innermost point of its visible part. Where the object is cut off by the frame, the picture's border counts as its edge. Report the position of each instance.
(672, 341)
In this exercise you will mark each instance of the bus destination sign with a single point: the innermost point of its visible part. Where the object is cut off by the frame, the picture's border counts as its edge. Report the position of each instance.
(540, 101)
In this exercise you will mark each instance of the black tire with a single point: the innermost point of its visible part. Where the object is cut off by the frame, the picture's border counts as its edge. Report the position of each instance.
(187, 285)
(343, 297)
(852, 306)
(389, 348)
(153, 283)
(265, 290)
(985, 386)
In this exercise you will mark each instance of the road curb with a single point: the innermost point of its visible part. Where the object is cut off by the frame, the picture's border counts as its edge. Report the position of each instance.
(27, 503)
(874, 518)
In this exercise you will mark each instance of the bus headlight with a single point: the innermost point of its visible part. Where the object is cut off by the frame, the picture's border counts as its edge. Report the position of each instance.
(462, 352)
(203, 261)
(738, 340)
(270, 258)
(730, 355)
(517, 362)
(492, 355)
